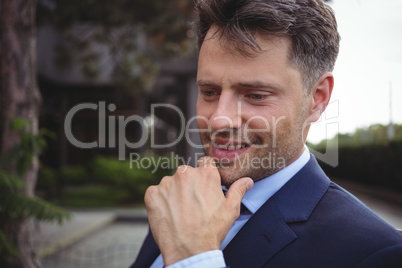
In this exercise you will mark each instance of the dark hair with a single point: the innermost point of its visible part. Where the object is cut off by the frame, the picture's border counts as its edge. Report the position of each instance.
(310, 24)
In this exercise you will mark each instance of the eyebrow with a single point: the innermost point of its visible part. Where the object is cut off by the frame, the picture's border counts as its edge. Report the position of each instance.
(203, 82)
(256, 85)
(250, 84)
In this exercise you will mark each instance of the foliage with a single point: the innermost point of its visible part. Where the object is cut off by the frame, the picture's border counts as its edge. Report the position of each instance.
(136, 34)
(158, 16)
(368, 157)
(374, 134)
(21, 155)
(74, 175)
(93, 196)
(14, 204)
(47, 179)
(132, 177)
(106, 182)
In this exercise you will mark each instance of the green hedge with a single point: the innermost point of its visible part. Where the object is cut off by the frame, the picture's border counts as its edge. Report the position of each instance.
(104, 182)
(121, 174)
(77, 175)
(377, 165)
(93, 196)
(47, 178)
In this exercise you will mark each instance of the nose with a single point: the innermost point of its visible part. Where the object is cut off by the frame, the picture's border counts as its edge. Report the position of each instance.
(227, 114)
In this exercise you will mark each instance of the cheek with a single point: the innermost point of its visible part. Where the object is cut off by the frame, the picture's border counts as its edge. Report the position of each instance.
(202, 123)
(202, 119)
(262, 119)
(279, 127)
(259, 125)
(204, 112)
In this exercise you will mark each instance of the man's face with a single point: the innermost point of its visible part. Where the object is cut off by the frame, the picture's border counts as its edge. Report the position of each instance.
(251, 110)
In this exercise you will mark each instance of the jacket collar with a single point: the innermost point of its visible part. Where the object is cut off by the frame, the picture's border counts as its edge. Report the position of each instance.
(298, 198)
(267, 231)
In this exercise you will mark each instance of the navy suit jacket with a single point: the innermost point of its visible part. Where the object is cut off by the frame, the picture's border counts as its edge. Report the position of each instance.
(309, 222)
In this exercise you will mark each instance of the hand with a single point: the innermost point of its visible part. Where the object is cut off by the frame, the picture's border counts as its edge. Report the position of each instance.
(188, 212)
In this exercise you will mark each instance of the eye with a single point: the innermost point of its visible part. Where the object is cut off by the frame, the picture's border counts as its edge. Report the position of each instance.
(209, 93)
(256, 96)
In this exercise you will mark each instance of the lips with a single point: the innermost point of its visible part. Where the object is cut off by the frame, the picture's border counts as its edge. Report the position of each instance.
(226, 150)
(229, 147)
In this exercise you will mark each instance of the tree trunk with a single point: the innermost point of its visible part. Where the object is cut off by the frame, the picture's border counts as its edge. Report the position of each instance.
(19, 97)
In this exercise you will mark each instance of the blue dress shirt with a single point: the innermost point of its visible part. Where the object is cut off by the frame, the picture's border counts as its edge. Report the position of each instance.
(253, 200)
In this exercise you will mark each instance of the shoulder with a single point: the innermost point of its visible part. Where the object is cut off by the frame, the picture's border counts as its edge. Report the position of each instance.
(339, 203)
(343, 212)
(390, 257)
(342, 232)
(356, 229)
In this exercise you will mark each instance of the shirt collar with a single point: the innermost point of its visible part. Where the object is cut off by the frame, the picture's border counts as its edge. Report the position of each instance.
(267, 187)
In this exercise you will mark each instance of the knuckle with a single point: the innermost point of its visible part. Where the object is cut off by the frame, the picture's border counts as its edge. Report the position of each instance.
(202, 160)
(165, 181)
(235, 212)
(206, 161)
(150, 194)
(181, 170)
(165, 184)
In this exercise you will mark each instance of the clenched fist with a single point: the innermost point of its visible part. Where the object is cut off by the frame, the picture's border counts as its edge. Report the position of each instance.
(188, 212)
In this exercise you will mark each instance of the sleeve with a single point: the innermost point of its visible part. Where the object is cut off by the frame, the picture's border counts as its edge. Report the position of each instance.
(208, 259)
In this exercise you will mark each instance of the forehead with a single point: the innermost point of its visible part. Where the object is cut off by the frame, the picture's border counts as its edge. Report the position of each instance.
(244, 45)
(220, 59)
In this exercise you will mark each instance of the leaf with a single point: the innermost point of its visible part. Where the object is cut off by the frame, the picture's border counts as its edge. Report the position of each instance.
(10, 156)
(6, 247)
(9, 183)
(24, 206)
(18, 124)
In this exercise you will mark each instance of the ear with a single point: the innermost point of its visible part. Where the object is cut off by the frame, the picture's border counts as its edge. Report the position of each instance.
(320, 95)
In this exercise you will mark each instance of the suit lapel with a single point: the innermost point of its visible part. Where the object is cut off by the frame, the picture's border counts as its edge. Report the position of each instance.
(149, 252)
(299, 197)
(262, 236)
(267, 231)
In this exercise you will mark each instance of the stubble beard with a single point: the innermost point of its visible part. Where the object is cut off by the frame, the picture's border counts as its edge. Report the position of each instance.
(256, 163)
(277, 153)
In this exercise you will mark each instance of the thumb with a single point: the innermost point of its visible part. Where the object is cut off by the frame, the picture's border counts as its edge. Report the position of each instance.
(238, 189)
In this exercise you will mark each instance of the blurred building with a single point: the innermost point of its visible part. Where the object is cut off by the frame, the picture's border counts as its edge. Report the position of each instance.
(65, 88)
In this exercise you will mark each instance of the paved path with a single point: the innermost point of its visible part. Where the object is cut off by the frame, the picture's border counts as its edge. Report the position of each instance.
(116, 245)
(113, 238)
(92, 238)
(49, 237)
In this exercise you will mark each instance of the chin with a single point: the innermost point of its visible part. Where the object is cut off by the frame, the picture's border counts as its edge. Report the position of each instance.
(230, 175)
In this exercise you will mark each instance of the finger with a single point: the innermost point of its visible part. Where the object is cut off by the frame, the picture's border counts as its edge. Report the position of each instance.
(182, 169)
(206, 161)
(208, 170)
(238, 189)
(150, 196)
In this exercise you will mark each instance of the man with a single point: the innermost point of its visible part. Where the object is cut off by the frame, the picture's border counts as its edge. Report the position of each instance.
(264, 74)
